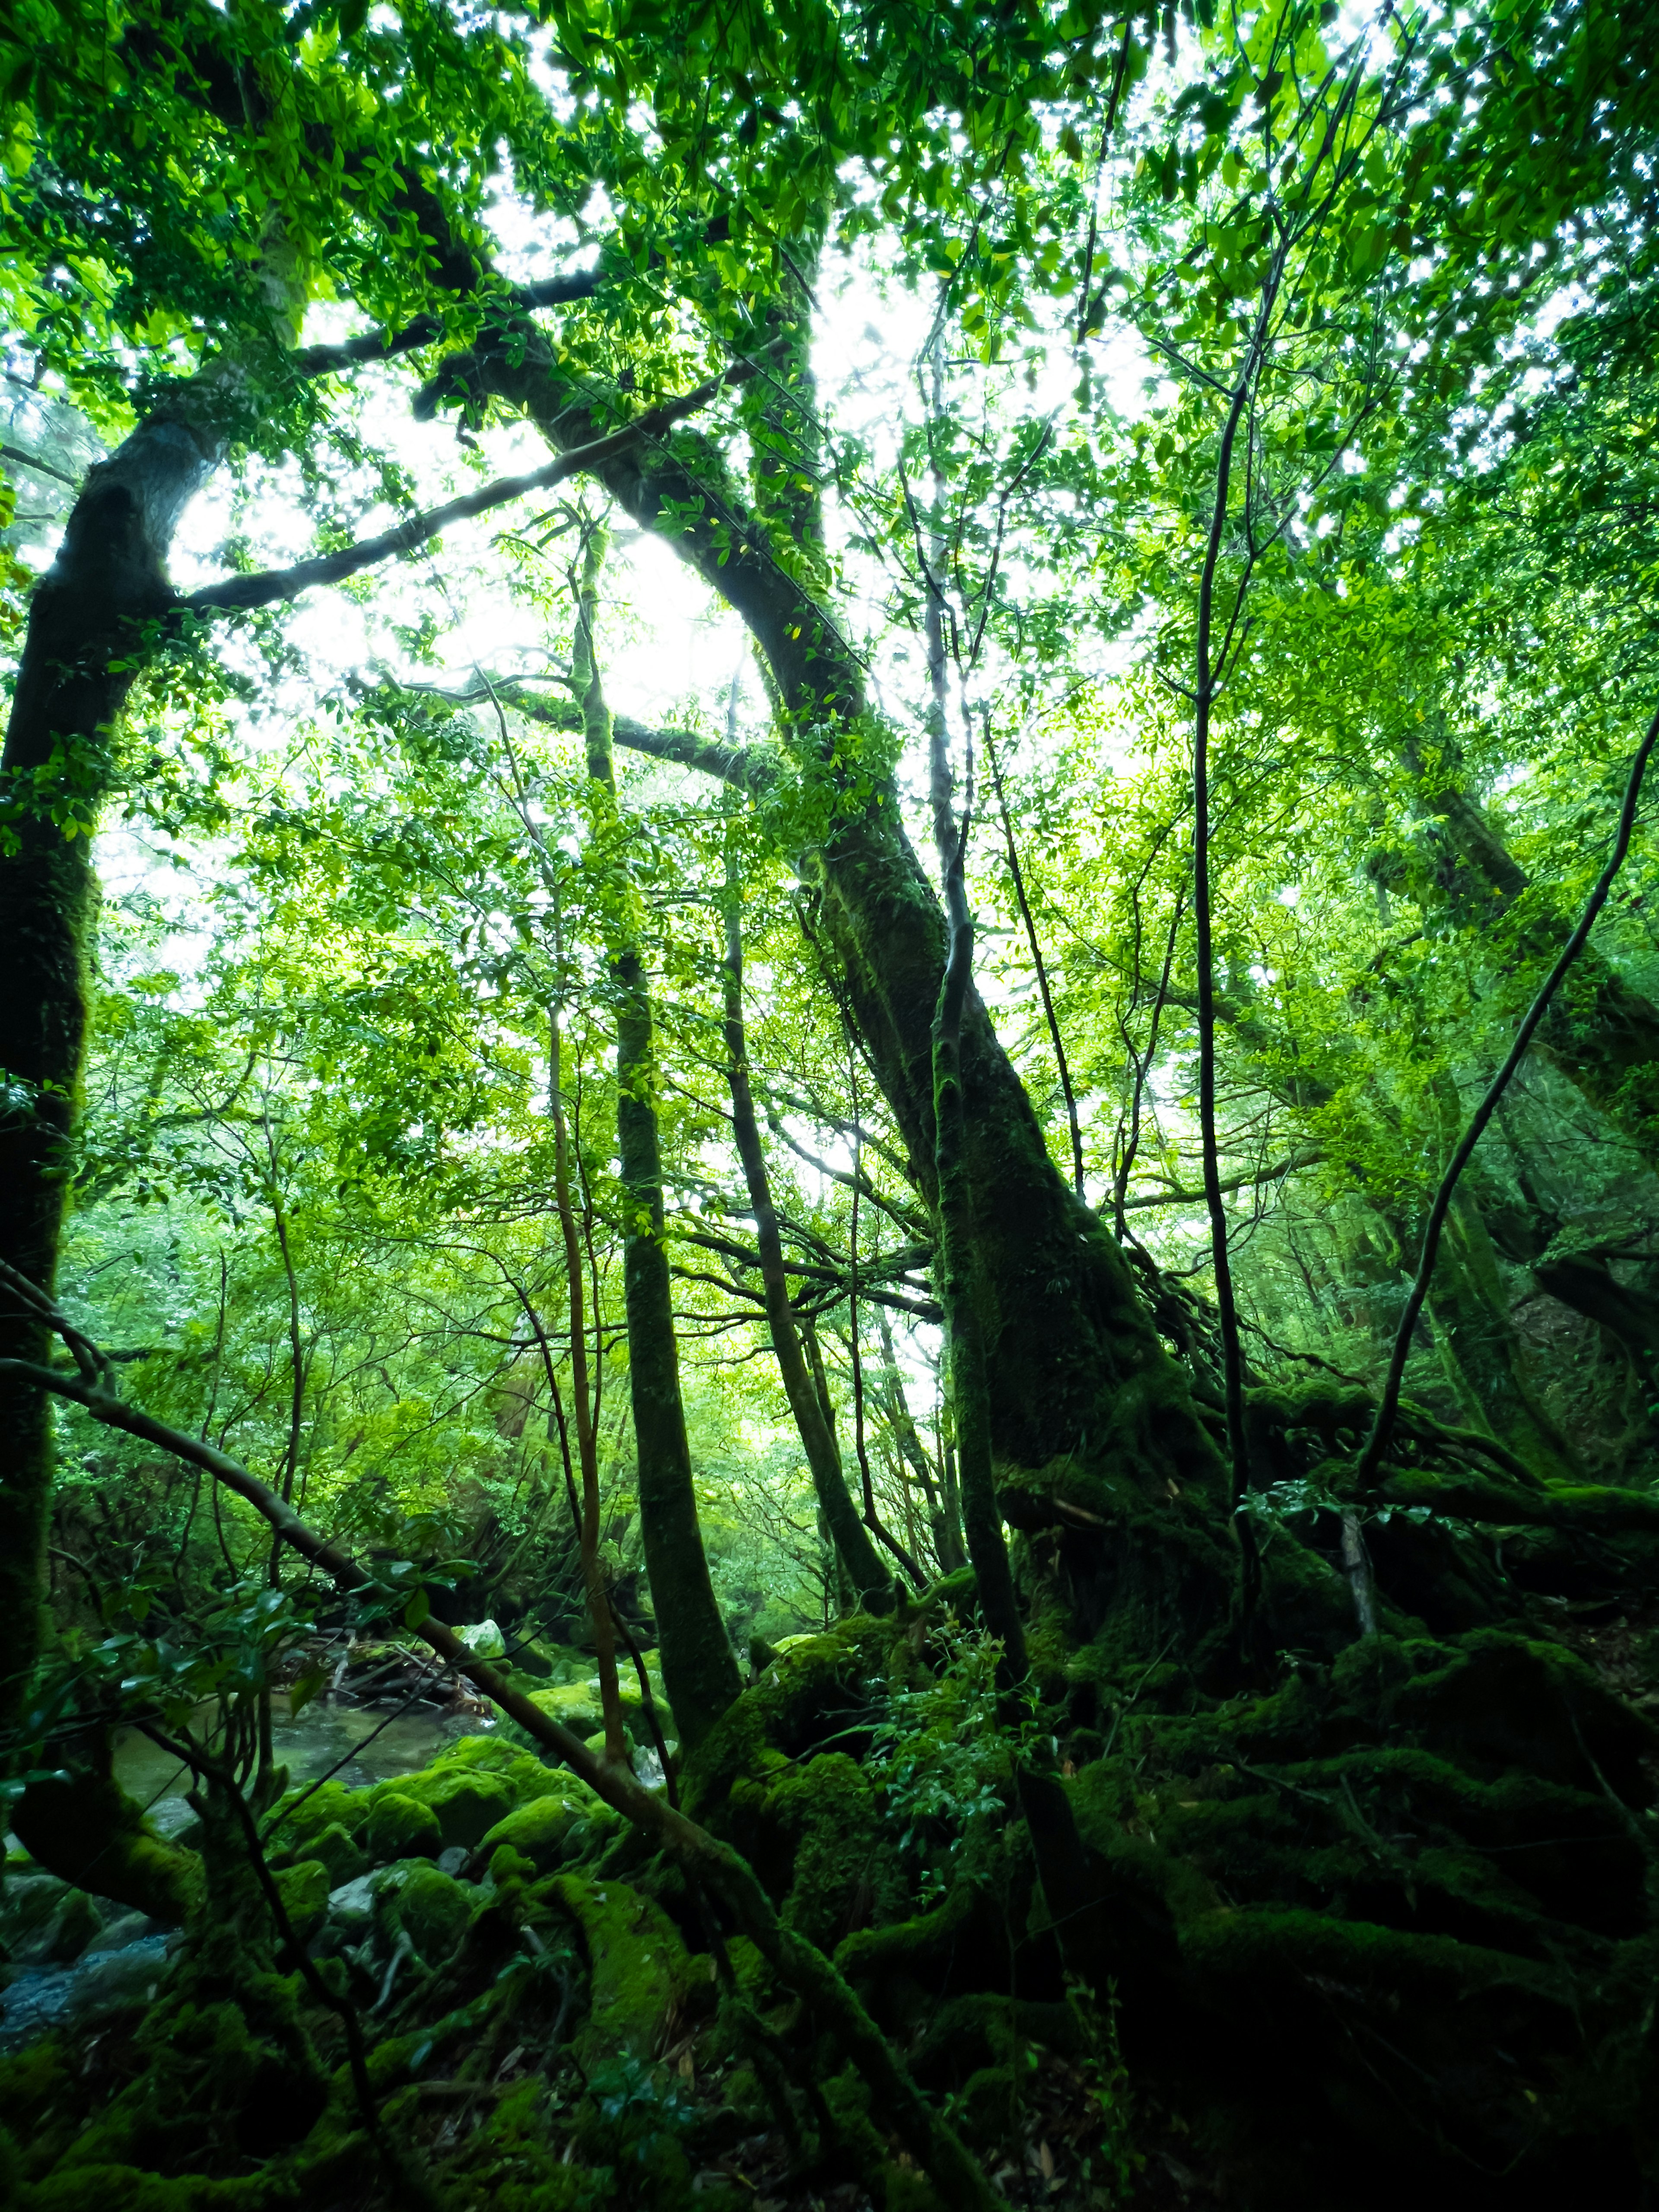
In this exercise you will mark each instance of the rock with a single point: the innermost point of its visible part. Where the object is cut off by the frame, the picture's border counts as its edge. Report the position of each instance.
(74, 1996)
(304, 1890)
(46, 1922)
(455, 1860)
(352, 1906)
(430, 1907)
(574, 1705)
(541, 1830)
(400, 1827)
(175, 1818)
(126, 1928)
(334, 1847)
(466, 1803)
(483, 1639)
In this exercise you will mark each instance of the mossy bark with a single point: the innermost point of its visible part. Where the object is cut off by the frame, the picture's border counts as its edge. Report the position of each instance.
(1601, 1032)
(85, 640)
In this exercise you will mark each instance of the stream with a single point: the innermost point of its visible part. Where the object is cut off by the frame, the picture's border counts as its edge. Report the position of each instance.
(309, 1745)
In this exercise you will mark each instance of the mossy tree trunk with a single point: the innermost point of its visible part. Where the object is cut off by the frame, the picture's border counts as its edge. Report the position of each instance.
(89, 621)
(1080, 1385)
(699, 1668)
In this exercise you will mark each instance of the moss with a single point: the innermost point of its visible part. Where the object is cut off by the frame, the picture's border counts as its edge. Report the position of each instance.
(574, 1705)
(400, 1827)
(1504, 1701)
(1258, 1944)
(511, 2165)
(334, 1848)
(304, 1890)
(844, 1867)
(430, 1907)
(85, 1829)
(307, 1813)
(465, 1804)
(813, 1688)
(640, 1971)
(101, 2188)
(541, 1830)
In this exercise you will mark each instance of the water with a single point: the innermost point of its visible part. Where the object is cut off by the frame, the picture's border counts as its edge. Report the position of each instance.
(374, 1746)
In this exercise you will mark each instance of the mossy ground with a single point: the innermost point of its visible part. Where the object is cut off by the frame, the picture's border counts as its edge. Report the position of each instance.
(1386, 1912)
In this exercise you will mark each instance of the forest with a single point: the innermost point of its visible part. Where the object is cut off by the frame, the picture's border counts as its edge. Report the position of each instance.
(829, 1105)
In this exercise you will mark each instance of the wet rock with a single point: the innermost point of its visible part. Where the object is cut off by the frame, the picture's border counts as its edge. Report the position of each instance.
(46, 1922)
(73, 1997)
(353, 1902)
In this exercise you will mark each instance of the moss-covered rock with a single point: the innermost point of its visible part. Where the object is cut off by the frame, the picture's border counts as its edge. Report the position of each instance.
(430, 1907)
(542, 1829)
(465, 1802)
(574, 1705)
(337, 1848)
(401, 1827)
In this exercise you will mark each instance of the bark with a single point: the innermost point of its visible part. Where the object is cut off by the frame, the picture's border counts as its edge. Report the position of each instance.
(941, 1507)
(700, 1670)
(85, 641)
(854, 1547)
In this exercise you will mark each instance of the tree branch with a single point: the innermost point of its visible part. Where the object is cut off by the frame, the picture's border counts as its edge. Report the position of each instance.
(239, 594)
(429, 330)
(927, 2135)
(1254, 1179)
(1376, 1443)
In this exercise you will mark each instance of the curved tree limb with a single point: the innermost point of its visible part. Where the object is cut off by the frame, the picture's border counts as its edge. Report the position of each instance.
(237, 595)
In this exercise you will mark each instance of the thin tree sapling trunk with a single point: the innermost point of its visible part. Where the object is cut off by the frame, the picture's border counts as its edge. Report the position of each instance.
(700, 1670)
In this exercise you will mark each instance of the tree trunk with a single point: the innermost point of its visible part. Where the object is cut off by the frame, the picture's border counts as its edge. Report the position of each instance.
(699, 1669)
(1080, 1385)
(852, 1540)
(84, 644)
